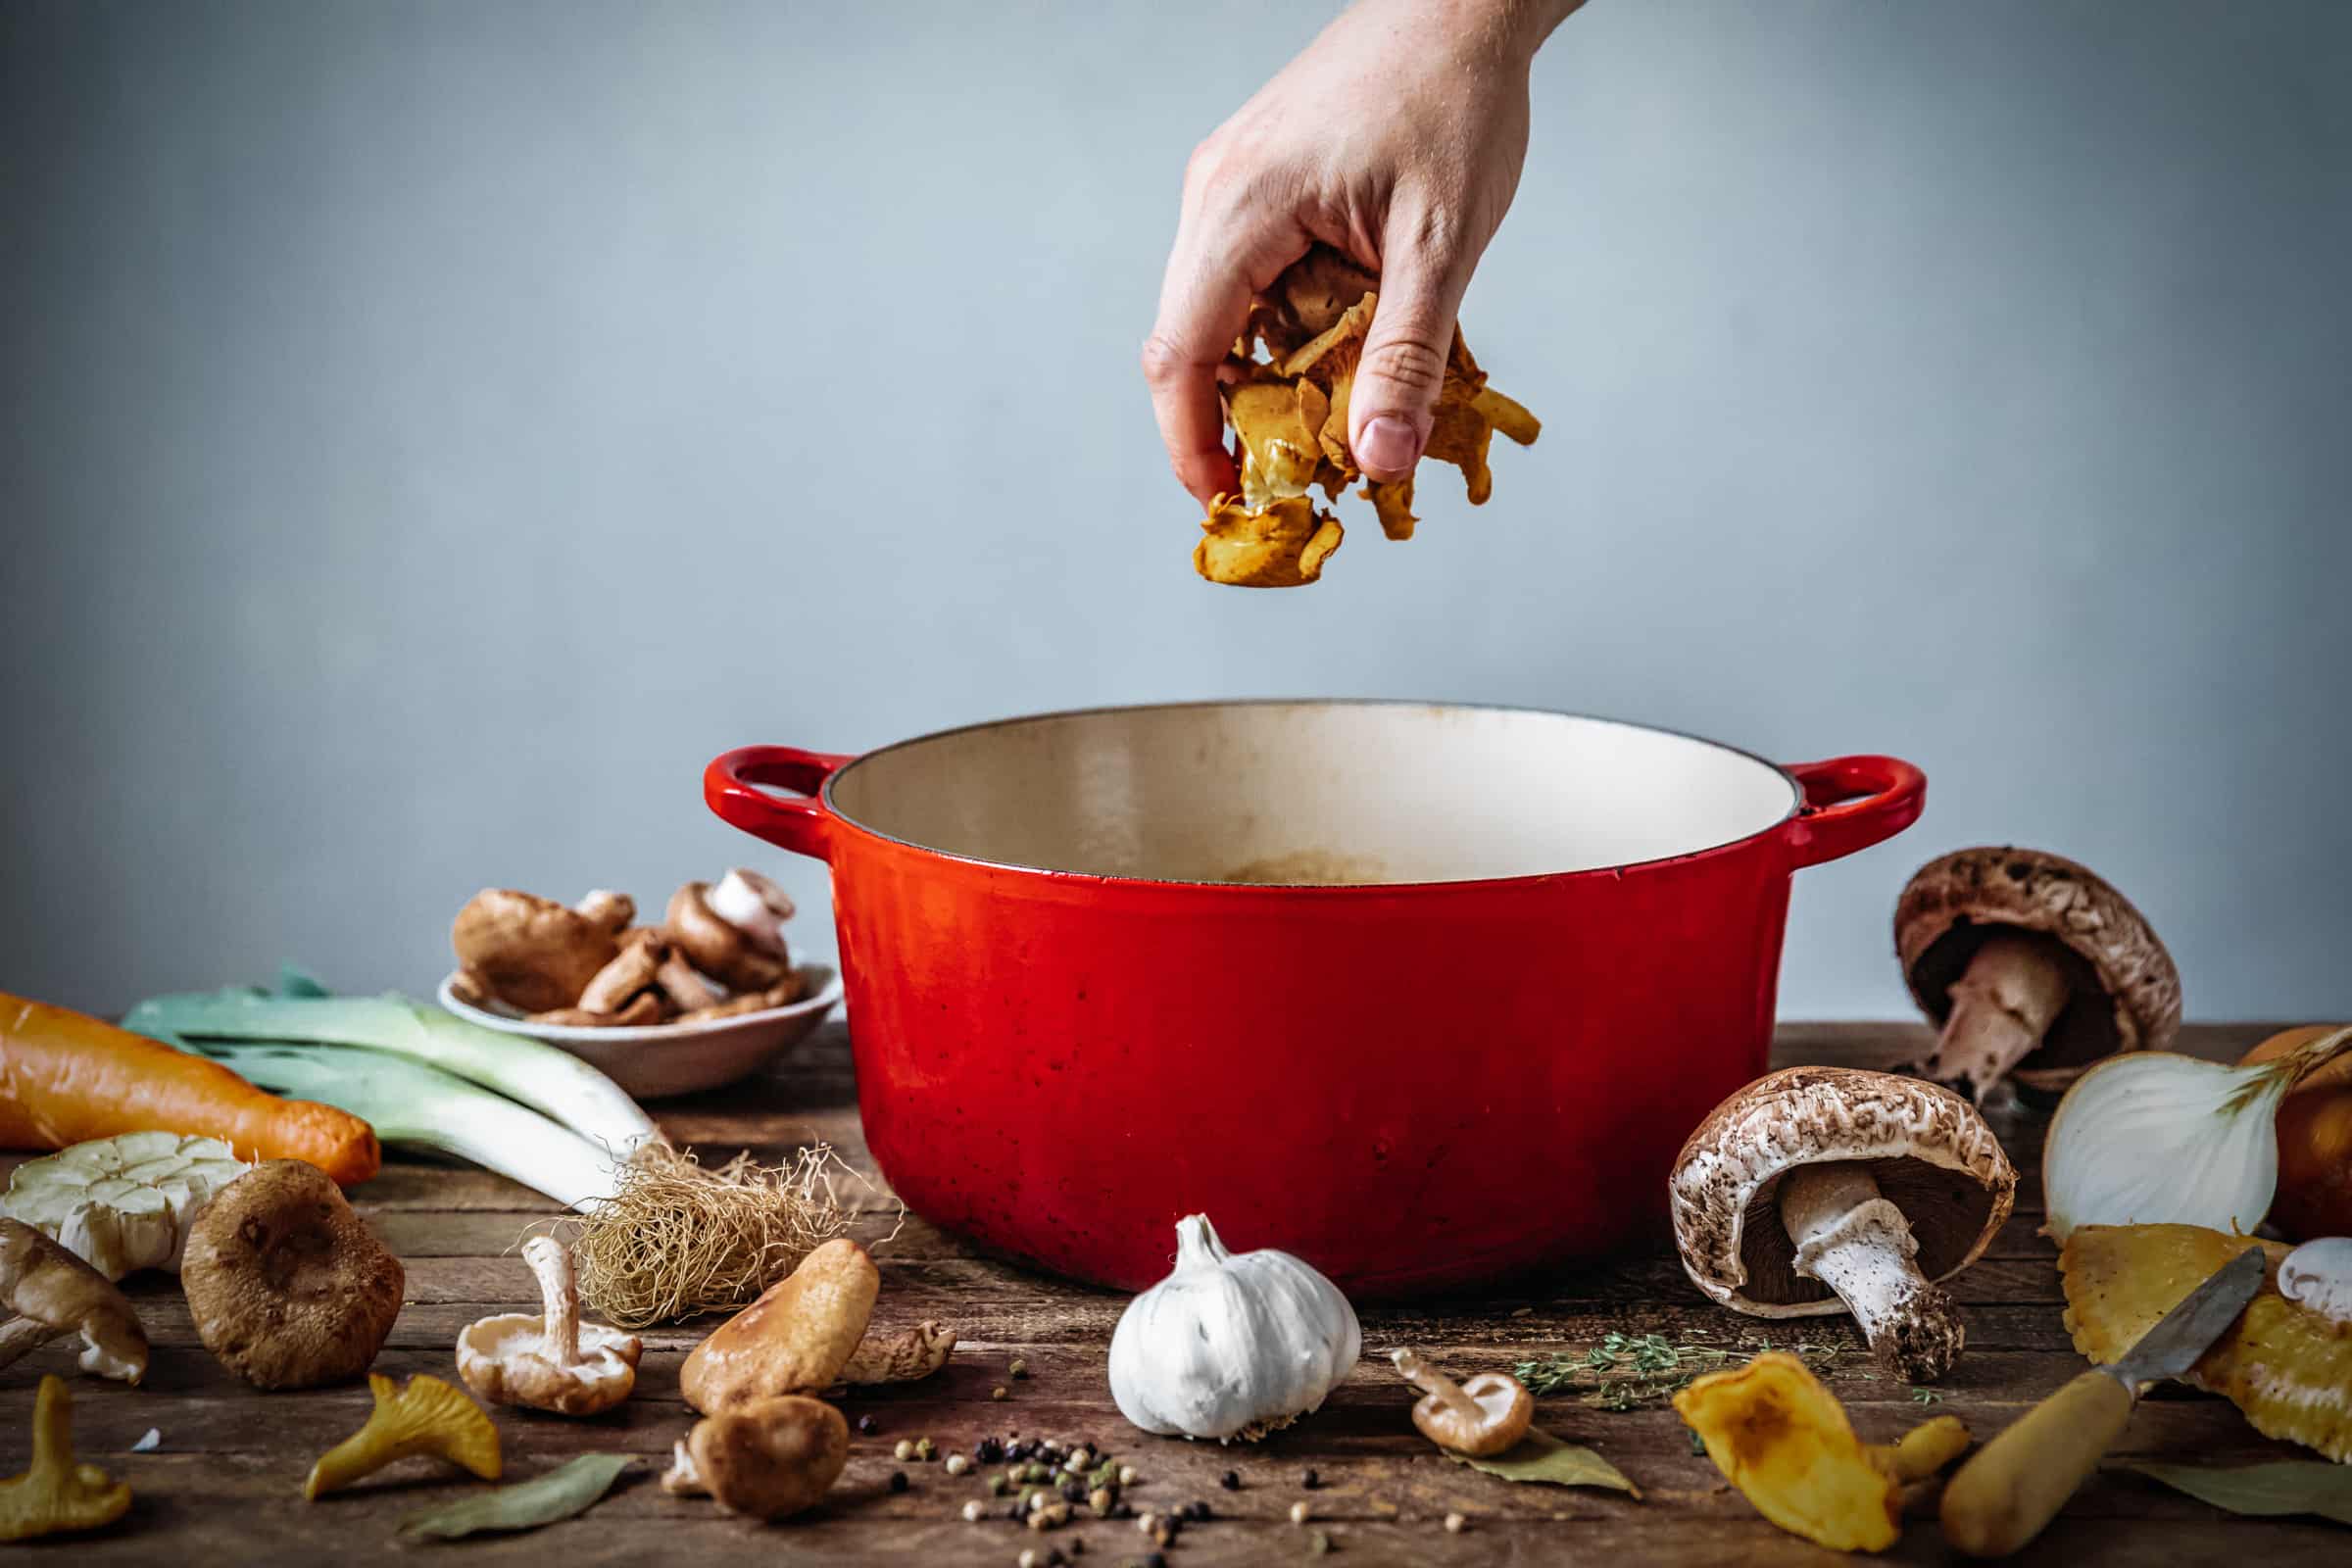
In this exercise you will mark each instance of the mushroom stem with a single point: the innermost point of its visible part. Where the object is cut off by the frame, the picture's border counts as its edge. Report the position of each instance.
(1858, 1243)
(1429, 1381)
(2002, 1009)
(682, 1479)
(558, 1300)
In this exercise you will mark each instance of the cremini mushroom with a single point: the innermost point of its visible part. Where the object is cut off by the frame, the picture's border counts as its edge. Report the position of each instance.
(427, 1417)
(768, 1458)
(1816, 1190)
(795, 1339)
(549, 1360)
(1485, 1415)
(288, 1287)
(534, 952)
(1784, 1441)
(2033, 967)
(55, 1494)
(53, 1294)
(733, 931)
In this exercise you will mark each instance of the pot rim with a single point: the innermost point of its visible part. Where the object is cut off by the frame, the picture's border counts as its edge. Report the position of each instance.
(1054, 877)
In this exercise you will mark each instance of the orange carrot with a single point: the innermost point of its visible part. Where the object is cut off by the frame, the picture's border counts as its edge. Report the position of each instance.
(66, 1077)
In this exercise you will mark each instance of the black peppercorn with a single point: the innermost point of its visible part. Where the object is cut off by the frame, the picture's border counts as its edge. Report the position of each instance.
(1231, 1481)
(897, 1480)
(988, 1450)
(866, 1424)
(1157, 1560)
(1310, 1480)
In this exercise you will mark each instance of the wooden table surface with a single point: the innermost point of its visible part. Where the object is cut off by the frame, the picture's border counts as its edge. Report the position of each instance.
(224, 1484)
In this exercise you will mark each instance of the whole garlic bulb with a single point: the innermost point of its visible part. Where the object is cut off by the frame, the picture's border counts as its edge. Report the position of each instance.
(1230, 1346)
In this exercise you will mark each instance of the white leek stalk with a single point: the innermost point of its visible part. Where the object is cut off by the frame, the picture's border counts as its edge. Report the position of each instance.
(551, 1081)
(413, 1105)
(2153, 1138)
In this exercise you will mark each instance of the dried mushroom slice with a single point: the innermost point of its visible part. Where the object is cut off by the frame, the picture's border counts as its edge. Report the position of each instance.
(2288, 1366)
(1280, 546)
(1280, 424)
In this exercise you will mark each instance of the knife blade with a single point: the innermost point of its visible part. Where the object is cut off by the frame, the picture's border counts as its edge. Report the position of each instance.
(2016, 1483)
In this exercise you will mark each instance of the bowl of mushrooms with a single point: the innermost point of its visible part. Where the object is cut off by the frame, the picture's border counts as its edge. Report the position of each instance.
(706, 996)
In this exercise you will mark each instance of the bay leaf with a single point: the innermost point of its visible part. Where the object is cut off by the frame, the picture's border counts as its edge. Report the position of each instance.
(570, 1489)
(2290, 1486)
(1541, 1457)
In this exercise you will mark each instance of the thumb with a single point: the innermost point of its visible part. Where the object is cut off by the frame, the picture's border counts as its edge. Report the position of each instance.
(1424, 268)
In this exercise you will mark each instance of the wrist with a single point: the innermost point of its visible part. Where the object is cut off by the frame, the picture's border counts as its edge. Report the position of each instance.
(1515, 28)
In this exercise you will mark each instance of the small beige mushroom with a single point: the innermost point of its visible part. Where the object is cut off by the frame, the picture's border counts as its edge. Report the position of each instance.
(534, 952)
(550, 1360)
(1485, 1415)
(2033, 967)
(768, 1458)
(634, 970)
(733, 931)
(1864, 1189)
(289, 1288)
(53, 1294)
(795, 1339)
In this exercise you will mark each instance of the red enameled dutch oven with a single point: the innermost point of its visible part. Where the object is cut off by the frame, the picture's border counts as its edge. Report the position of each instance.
(1426, 994)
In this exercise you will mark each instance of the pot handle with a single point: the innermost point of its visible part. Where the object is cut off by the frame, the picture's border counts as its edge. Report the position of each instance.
(731, 787)
(1852, 803)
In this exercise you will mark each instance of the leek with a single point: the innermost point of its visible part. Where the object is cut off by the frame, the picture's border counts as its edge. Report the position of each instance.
(411, 1104)
(550, 1081)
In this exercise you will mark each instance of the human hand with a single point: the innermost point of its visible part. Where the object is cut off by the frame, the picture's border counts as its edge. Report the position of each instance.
(1396, 138)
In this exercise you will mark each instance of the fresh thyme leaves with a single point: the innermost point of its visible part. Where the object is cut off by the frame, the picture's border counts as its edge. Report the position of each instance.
(1630, 1371)
(1926, 1397)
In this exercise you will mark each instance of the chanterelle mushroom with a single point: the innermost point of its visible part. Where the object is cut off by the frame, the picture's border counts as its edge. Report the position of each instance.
(533, 951)
(1485, 1415)
(53, 1294)
(1820, 1189)
(795, 1339)
(288, 1287)
(733, 931)
(2033, 967)
(549, 1360)
(55, 1494)
(768, 1458)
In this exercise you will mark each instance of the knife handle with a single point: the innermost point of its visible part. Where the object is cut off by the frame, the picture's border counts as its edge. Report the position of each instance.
(2016, 1483)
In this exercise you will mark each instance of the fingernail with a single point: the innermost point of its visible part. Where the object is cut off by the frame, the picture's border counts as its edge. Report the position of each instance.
(1388, 443)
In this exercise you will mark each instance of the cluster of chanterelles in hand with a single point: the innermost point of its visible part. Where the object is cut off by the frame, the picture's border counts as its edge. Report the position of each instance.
(720, 950)
(1289, 409)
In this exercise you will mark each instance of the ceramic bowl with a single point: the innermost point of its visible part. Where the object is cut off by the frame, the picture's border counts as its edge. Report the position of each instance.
(656, 1060)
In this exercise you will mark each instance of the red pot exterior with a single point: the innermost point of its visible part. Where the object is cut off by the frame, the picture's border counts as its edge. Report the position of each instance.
(1413, 1088)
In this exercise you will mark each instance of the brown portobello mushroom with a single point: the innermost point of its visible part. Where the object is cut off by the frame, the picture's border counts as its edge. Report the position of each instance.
(1821, 1189)
(534, 952)
(288, 1287)
(2033, 966)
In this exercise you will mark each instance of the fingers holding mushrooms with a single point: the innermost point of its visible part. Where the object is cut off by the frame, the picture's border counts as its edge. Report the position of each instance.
(549, 1360)
(2031, 966)
(768, 1458)
(52, 1293)
(288, 1287)
(1816, 1190)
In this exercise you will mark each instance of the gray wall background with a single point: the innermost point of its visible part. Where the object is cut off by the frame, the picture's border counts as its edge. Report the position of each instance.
(434, 429)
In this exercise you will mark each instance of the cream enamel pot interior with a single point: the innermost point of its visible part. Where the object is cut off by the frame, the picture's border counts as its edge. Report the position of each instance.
(1423, 994)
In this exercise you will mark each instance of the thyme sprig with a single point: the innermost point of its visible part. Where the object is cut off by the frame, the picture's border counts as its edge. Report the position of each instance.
(1628, 1371)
